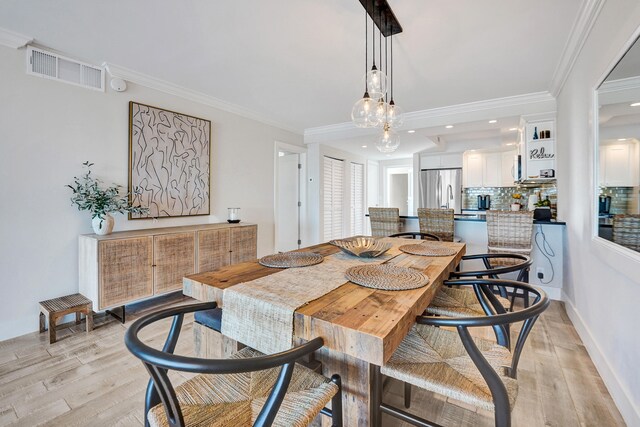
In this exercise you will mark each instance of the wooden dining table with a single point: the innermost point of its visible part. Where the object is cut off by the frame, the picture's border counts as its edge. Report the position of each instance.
(360, 326)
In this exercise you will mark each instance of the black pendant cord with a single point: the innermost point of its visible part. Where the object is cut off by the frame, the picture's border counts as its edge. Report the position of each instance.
(380, 48)
(366, 51)
(386, 62)
(391, 76)
(373, 42)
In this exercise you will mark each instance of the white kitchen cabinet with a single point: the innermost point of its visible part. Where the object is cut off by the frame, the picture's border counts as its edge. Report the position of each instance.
(619, 165)
(473, 169)
(508, 168)
(492, 170)
(441, 161)
(488, 169)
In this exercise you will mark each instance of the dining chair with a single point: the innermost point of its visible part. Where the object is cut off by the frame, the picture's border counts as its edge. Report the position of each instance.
(456, 365)
(438, 222)
(249, 388)
(626, 231)
(417, 235)
(457, 302)
(384, 221)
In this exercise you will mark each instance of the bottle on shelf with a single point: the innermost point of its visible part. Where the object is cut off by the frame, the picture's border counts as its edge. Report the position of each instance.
(535, 132)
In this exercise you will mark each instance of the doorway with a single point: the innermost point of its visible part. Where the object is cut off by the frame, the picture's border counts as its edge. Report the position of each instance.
(399, 189)
(289, 196)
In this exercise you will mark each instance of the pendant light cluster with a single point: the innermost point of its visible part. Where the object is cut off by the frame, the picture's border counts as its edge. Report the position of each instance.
(376, 108)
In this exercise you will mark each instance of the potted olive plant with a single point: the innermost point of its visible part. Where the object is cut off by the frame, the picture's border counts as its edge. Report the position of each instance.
(89, 194)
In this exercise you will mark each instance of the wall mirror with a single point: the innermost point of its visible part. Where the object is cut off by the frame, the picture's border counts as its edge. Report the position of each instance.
(618, 152)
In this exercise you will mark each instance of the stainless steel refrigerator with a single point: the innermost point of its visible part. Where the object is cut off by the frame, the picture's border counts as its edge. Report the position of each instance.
(441, 188)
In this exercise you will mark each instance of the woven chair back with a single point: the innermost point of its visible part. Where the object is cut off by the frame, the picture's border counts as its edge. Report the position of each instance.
(384, 221)
(438, 222)
(510, 232)
(626, 231)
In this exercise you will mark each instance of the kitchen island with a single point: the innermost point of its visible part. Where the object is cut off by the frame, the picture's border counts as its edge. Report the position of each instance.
(547, 253)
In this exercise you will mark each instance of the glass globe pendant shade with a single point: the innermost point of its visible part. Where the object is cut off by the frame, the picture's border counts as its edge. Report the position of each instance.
(363, 112)
(381, 111)
(376, 82)
(394, 117)
(389, 141)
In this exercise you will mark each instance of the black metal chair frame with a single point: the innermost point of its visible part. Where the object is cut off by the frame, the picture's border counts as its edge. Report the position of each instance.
(416, 234)
(159, 362)
(492, 272)
(498, 390)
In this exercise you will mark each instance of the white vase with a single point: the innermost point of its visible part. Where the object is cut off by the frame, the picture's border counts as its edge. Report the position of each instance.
(515, 206)
(103, 226)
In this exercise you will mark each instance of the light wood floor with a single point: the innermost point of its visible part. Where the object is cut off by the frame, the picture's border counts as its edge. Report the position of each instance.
(93, 380)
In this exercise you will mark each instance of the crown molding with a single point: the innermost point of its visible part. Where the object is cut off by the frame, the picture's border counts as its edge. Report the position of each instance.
(577, 37)
(626, 84)
(471, 111)
(191, 95)
(13, 40)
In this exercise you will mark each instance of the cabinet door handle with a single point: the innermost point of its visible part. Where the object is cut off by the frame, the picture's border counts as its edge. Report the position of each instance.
(153, 265)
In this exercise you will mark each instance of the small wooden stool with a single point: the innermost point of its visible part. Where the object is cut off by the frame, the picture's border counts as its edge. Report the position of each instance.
(58, 307)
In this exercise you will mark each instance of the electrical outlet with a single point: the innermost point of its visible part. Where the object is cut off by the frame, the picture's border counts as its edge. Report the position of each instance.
(540, 272)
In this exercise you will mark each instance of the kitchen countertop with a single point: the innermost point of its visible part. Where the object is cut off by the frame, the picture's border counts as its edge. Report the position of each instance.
(483, 218)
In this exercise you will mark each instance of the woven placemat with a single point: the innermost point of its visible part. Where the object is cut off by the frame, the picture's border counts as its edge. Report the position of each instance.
(428, 249)
(364, 247)
(291, 259)
(386, 277)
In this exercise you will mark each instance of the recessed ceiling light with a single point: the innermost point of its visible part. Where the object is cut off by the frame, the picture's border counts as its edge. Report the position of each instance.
(622, 139)
(511, 143)
(636, 104)
(512, 129)
(493, 121)
(364, 146)
(449, 126)
(472, 150)
(411, 131)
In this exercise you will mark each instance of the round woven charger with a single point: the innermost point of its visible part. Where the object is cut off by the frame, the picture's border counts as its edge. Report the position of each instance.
(386, 277)
(427, 249)
(291, 259)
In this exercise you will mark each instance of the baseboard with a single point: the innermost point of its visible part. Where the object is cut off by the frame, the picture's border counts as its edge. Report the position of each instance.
(628, 409)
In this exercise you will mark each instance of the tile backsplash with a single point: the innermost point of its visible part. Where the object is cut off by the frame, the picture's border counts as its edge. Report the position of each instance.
(501, 196)
(624, 200)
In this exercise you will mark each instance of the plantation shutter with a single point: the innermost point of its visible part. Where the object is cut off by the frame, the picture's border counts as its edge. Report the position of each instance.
(357, 199)
(333, 198)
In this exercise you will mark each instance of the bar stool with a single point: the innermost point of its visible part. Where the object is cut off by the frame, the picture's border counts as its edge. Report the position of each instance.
(626, 231)
(510, 232)
(438, 222)
(384, 221)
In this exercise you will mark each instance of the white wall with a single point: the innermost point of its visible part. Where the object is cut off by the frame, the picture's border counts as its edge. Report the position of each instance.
(47, 129)
(601, 286)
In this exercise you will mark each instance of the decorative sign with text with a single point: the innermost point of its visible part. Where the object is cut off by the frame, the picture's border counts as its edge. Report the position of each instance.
(543, 150)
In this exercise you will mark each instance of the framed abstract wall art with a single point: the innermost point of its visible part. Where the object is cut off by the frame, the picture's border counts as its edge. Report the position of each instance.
(169, 162)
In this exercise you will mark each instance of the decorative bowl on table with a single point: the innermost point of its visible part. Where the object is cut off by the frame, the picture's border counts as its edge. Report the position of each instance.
(363, 247)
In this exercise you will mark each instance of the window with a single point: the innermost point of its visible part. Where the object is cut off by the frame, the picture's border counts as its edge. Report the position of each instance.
(357, 199)
(333, 198)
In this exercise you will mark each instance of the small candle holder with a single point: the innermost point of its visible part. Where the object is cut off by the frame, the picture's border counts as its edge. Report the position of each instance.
(234, 215)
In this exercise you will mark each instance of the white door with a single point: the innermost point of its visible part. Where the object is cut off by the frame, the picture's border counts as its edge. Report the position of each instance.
(287, 202)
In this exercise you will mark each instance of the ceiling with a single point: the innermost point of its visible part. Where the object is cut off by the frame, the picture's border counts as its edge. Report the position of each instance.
(300, 62)
(437, 139)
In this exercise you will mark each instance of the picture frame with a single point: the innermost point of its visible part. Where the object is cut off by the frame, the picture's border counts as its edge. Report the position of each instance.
(169, 162)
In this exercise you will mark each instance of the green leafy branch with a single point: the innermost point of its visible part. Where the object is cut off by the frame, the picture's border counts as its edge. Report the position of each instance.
(89, 195)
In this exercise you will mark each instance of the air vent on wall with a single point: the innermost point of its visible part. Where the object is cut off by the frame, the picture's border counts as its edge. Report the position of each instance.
(50, 65)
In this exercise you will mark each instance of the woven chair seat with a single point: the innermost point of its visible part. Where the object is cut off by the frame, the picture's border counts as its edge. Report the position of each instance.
(235, 400)
(435, 359)
(459, 303)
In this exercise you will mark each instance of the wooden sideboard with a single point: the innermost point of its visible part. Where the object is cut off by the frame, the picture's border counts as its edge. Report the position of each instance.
(128, 266)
